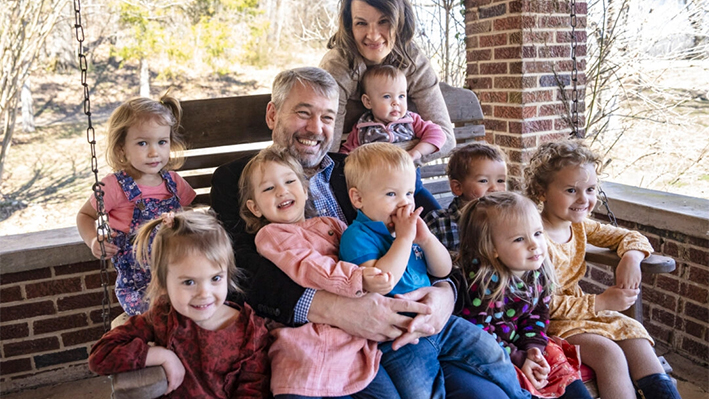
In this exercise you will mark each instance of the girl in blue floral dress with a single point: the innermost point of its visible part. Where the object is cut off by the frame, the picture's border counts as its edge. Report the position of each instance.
(141, 135)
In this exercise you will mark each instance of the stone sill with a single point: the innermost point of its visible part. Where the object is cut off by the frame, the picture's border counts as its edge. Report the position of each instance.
(665, 211)
(30, 251)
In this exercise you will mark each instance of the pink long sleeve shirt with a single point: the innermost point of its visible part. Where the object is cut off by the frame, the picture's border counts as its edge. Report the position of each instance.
(316, 359)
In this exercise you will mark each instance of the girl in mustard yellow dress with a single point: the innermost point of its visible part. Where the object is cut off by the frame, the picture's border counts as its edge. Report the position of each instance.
(562, 176)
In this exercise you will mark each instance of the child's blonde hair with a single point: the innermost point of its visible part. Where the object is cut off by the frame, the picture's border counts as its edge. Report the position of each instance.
(368, 159)
(247, 188)
(552, 157)
(459, 163)
(377, 71)
(166, 112)
(476, 254)
(179, 235)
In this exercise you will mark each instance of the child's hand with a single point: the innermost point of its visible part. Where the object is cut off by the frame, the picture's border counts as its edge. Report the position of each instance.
(616, 298)
(628, 274)
(405, 222)
(174, 369)
(374, 280)
(536, 368)
(415, 154)
(423, 234)
(111, 249)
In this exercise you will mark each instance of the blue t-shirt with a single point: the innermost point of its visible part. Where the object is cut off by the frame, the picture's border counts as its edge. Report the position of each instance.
(365, 240)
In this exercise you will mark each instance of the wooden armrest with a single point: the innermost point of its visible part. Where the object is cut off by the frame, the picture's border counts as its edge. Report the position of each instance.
(150, 382)
(652, 264)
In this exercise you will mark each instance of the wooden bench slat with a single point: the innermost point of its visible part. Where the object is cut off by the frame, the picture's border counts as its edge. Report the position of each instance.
(213, 160)
(434, 170)
(463, 105)
(437, 186)
(465, 133)
(199, 181)
(225, 121)
(202, 199)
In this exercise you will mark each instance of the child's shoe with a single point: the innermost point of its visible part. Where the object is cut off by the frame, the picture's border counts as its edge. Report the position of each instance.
(657, 386)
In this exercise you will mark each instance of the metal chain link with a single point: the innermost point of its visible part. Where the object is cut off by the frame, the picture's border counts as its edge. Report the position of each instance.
(575, 104)
(604, 201)
(103, 232)
(574, 75)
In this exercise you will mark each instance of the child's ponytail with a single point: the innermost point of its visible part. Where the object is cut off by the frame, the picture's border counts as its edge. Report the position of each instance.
(176, 235)
(148, 250)
(173, 104)
(177, 142)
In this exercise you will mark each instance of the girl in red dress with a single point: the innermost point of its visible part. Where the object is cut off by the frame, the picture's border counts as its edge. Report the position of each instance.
(208, 348)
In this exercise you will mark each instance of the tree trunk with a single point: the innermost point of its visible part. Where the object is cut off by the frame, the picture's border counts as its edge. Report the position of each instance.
(27, 108)
(8, 128)
(144, 78)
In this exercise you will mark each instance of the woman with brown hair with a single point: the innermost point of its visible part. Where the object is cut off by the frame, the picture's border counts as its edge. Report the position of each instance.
(380, 32)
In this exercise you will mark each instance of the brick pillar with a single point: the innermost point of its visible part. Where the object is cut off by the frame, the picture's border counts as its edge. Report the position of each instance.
(518, 51)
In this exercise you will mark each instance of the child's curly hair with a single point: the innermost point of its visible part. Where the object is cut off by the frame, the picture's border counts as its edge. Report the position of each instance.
(550, 158)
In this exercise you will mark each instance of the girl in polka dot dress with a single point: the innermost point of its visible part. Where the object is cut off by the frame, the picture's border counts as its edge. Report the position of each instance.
(503, 252)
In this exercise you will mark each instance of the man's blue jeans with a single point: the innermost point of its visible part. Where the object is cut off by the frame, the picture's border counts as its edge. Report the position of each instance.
(416, 370)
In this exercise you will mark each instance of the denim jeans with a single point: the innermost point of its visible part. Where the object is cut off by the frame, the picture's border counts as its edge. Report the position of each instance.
(576, 390)
(423, 197)
(460, 384)
(380, 387)
(416, 369)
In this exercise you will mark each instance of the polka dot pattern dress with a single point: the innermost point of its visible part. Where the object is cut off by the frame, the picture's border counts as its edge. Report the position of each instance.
(519, 323)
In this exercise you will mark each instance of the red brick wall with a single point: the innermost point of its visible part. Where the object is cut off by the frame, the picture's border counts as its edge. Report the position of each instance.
(49, 318)
(675, 305)
(517, 51)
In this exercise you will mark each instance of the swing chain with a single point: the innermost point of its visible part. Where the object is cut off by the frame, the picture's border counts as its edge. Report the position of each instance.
(574, 75)
(604, 201)
(575, 104)
(102, 230)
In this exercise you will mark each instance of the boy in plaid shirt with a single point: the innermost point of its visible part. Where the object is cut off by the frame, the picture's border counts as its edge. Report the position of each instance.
(473, 171)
